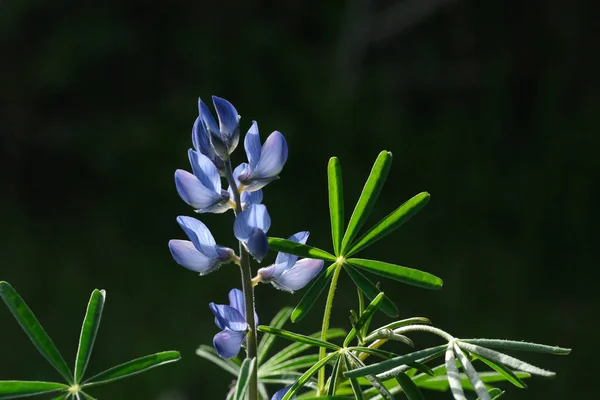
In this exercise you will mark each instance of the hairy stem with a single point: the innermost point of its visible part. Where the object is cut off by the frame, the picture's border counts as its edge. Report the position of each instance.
(325, 327)
(247, 288)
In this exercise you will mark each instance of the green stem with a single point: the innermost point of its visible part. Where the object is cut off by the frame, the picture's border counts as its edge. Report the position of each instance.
(247, 288)
(325, 327)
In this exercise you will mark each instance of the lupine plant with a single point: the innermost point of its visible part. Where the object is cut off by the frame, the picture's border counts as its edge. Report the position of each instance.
(338, 370)
(332, 363)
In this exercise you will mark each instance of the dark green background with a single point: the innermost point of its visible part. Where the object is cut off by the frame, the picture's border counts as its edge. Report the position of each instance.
(491, 106)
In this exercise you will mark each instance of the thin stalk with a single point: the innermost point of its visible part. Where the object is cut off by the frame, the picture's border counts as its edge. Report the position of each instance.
(325, 327)
(247, 288)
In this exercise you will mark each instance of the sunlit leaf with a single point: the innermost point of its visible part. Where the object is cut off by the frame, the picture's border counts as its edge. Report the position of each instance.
(505, 359)
(312, 294)
(390, 223)
(496, 393)
(336, 202)
(210, 354)
(387, 365)
(14, 389)
(243, 380)
(290, 365)
(440, 382)
(89, 330)
(306, 376)
(365, 318)
(501, 369)
(518, 346)
(133, 367)
(267, 340)
(367, 198)
(299, 249)
(371, 291)
(453, 375)
(409, 388)
(34, 330)
(406, 275)
(356, 389)
(373, 380)
(296, 337)
(472, 374)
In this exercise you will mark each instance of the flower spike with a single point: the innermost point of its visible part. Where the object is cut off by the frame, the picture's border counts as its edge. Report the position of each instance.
(265, 162)
(201, 254)
(288, 273)
(224, 137)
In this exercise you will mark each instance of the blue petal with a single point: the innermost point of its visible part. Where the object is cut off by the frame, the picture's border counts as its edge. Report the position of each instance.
(254, 217)
(252, 145)
(257, 244)
(249, 198)
(287, 259)
(193, 192)
(272, 158)
(299, 275)
(185, 254)
(236, 300)
(267, 273)
(200, 138)
(229, 121)
(252, 185)
(205, 170)
(209, 122)
(228, 343)
(281, 393)
(228, 317)
(200, 236)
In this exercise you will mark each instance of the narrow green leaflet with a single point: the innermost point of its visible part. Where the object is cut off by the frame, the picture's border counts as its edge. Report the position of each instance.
(306, 376)
(210, 354)
(390, 223)
(63, 397)
(472, 374)
(293, 364)
(440, 382)
(297, 348)
(299, 249)
(243, 381)
(267, 340)
(364, 319)
(296, 337)
(89, 330)
(367, 198)
(376, 352)
(335, 376)
(371, 291)
(504, 371)
(496, 393)
(406, 275)
(336, 202)
(34, 330)
(87, 396)
(373, 380)
(518, 346)
(505, 359)
(386, 365)
(429, 355)
(453, 375)
(14, 389)
(133, 367)
(312, 294)
(356, 389)
(409, 388)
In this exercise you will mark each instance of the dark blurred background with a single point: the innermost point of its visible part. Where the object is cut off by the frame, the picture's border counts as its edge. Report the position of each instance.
(492, 107)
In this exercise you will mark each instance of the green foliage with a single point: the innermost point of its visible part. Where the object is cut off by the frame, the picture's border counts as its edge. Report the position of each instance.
(89, 330)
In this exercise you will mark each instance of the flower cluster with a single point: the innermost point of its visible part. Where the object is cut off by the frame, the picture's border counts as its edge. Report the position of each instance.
(210, 161)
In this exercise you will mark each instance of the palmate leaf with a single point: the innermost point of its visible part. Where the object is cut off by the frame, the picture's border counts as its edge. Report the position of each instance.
(367, 198)
(15, 389)
(518, 346)
(133, 367)
(365, 318)
(336, 202)
(299, 249)
(267, 340)
(89, 330)
(34, 330)
(406, 275)
(371, 291)
(390, 223)
(308, 374)
(312, 294)
(296, 337)
(243, 380)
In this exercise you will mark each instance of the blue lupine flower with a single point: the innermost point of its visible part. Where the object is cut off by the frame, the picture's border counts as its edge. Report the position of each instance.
(202, 190)
(279, 395)
(202, 254)
(251, 227)
(288, 273)
(247, 198)
(231, 320)
(223, 138)
(266, 162)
